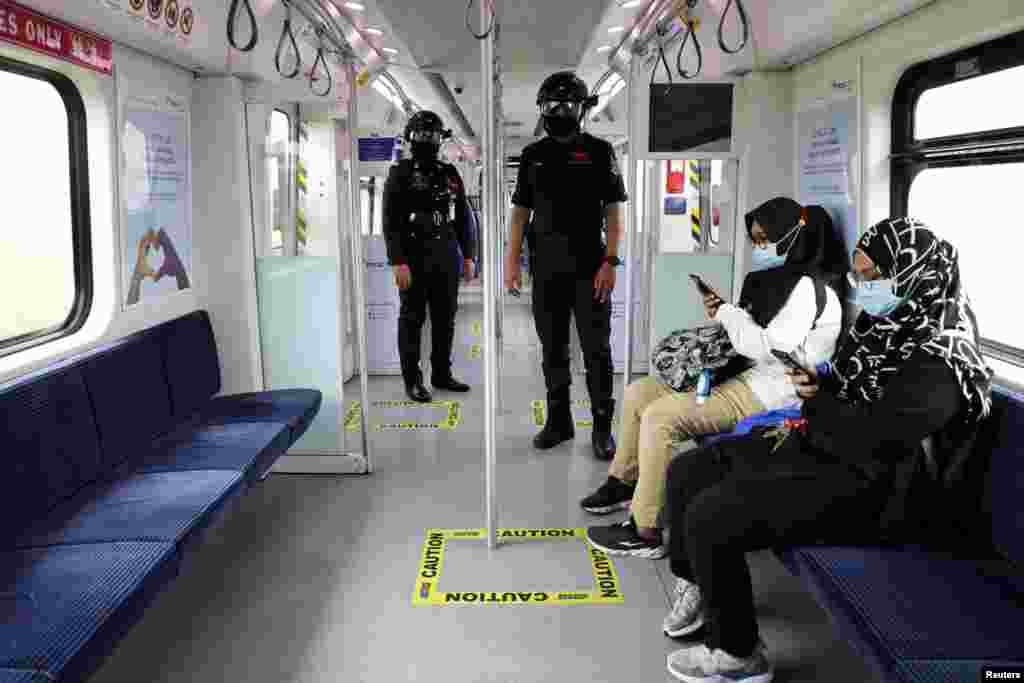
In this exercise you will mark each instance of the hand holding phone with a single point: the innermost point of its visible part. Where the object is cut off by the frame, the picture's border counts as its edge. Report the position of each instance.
(790, 362)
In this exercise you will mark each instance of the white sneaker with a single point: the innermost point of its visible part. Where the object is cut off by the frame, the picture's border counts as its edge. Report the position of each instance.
(698, 664)
(687, 613)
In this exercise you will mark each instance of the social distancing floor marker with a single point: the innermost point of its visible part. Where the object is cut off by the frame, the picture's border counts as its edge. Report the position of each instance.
(452, 415)
(475, 352)
(606, 581)
(539, 409)
(477, 328)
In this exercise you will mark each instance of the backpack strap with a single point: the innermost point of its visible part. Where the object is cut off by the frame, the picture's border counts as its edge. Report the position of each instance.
(820, 299)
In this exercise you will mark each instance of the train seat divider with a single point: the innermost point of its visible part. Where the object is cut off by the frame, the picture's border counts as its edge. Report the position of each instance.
(919, 615)
(114, 466)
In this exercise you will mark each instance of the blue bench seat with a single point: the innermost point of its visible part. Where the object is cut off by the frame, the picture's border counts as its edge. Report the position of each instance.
(113, 464)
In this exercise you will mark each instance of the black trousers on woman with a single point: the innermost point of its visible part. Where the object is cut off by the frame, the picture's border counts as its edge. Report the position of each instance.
(735, 497)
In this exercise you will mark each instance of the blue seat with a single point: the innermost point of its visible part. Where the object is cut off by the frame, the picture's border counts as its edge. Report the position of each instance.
(159, 506)
(65, 606)
(112, 464)
(920, 615)
(250, 448)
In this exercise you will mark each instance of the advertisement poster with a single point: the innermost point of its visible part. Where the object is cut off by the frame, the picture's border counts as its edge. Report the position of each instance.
(382, 307)
(157, 198)
(828, 169)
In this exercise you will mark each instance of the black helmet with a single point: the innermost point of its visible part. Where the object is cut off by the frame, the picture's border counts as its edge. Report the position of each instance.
(563, 101)
(426, 126)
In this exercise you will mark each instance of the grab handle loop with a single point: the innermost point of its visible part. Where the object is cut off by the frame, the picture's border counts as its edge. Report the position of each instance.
(469, 26)
(744, 22)
(286, 32)
(661, 59)
(320, 63)
(233, 25)
(691, 30)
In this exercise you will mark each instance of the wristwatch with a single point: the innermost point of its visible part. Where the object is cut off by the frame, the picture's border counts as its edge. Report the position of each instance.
(613, 260)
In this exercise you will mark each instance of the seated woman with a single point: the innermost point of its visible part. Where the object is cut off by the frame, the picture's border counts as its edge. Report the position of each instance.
(784, 305)
(855, 470)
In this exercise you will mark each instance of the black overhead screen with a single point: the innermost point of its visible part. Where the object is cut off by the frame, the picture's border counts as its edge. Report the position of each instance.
(689, 115)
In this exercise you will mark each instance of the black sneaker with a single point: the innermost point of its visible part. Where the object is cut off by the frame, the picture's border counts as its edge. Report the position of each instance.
(622, 539)
(613, 495)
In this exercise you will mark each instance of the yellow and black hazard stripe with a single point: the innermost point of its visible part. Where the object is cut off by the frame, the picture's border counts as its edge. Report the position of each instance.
(606, 589)
(694, 171)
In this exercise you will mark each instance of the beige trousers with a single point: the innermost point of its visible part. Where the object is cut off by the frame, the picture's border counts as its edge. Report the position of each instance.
(653, 416)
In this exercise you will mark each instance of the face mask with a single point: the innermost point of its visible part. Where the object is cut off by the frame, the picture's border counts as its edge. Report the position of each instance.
(763, 259)
(877, 297)
(560, 126)
(424, 150)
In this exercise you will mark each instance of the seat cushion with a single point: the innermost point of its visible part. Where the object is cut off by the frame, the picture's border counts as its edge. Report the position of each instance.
(49, 447)
(295, 407)
(250, 448)
(162, 506)
(190, 354)
(64, 606)
(1006, 473)
(909, 604)
(24, 676)
(129, 396)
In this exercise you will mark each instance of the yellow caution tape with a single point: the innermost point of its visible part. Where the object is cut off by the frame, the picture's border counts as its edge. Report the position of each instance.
(426, 592)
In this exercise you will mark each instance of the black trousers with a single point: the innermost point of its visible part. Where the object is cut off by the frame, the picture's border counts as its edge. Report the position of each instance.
(563, 283)
(735, 497)
(435, 282)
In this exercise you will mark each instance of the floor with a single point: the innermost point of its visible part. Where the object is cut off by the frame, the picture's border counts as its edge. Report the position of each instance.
(311, 579)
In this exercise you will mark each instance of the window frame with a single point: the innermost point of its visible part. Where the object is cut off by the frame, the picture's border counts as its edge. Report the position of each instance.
(910, 157)
(81, 238)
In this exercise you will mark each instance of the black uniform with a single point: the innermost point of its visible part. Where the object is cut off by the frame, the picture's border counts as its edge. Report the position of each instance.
(424, 226)
(568, 185)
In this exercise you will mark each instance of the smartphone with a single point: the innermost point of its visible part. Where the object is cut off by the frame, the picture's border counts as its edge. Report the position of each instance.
(790, 362)
(702, 286)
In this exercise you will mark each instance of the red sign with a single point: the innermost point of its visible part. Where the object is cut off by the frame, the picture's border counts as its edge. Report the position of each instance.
(28, 28)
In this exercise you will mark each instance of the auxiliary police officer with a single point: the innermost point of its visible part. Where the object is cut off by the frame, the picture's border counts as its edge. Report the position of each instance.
(571, 183)
(424, 226)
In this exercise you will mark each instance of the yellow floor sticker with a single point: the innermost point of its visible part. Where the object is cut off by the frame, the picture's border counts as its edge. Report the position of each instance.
(606, 581)
(451, 420)
(475, 352)
(539, 410)
(477, 328)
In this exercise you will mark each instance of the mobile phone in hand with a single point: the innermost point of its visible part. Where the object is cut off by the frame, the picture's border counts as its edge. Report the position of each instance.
(790, 362)
(703, 287)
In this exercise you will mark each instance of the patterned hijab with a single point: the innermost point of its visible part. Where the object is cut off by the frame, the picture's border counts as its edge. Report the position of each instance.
(934, 316)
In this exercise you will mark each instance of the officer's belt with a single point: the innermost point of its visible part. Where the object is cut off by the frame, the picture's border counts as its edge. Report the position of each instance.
(432, 225)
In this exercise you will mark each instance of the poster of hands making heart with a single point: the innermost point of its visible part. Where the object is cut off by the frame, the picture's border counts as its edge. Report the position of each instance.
(157, 235)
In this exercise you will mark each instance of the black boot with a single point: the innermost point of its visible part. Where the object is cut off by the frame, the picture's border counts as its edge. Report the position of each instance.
(601, 437)
(558, 426)
(417, 392)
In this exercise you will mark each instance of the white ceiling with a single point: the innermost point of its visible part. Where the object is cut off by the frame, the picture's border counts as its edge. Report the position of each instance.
(537, 37)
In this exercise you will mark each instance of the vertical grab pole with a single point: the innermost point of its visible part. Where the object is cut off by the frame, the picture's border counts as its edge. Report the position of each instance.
(356, 258)
(490, 232)
(629, 228)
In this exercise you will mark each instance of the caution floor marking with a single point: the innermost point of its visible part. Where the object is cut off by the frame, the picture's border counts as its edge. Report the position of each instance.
(451, 420)
(477, 328)
(475, 352)
(539, 409)
(606, 580)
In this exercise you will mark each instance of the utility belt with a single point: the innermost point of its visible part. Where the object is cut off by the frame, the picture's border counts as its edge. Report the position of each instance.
(431, 225)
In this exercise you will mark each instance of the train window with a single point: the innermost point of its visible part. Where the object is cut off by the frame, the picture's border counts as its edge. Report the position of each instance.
(44, 248)
(277, 177)
(957, 156)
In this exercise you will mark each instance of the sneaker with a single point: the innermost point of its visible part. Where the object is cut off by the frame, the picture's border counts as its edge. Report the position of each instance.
(687, 613)
(613, 495)
(622, 539)
(698, 664)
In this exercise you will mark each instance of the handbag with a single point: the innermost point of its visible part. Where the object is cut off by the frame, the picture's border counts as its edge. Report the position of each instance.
(679, 359)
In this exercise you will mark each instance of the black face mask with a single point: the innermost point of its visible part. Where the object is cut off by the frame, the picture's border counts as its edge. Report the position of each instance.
(560, 126)
(424, 150)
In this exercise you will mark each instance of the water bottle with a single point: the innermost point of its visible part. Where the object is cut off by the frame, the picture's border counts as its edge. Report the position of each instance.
(704, 386)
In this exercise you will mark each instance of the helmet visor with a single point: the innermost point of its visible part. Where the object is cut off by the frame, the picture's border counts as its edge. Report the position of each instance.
(563, 108)
(431, 136)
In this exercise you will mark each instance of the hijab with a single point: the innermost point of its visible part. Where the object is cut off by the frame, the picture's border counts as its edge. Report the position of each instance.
(934, 316)
(814, 250)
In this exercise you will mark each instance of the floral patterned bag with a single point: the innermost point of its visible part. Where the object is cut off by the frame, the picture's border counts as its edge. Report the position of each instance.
(679, 359)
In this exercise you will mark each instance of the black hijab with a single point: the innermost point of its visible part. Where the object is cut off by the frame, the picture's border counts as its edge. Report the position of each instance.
(935, 316)
(815, 250)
